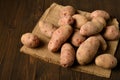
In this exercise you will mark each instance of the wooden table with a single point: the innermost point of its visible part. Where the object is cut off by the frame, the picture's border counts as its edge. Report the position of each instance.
(20, 16)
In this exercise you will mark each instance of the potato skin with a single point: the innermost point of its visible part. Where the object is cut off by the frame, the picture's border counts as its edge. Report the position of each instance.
(90, 28)
(103, 43)
(59, 37)
(65, 20)
(67, 11)
(47, 28)
(111, 33)
(77, 38)
(87, 50)
(106, 61)
(67, 55)
(99, 21)
(100, 13)
(30, 40)
(80, 20)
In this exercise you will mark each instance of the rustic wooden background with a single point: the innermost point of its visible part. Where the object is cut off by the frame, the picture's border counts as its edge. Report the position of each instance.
(20, 16)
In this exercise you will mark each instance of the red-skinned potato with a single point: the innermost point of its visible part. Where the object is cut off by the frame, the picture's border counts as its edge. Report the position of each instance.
(65, 20)
(80, 20)
(47, 28)
(111, 33)
(87, 50)
(90, 28)
(100, 13)
(67, 11)
(77, 38)
(30, 40)
(106, 61)
(99, 21)
(67, 55)
(59, 37)
(103, 43)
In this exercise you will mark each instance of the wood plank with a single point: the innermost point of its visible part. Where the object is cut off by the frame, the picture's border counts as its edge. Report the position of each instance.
(20, 16)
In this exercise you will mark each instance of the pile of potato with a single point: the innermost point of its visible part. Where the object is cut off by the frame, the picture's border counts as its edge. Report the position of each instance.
(78, 37)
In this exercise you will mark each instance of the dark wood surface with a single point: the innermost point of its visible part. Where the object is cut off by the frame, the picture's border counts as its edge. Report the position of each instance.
(20, 16)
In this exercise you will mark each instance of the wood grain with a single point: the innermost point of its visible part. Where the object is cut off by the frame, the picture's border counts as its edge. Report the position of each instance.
(20, 16)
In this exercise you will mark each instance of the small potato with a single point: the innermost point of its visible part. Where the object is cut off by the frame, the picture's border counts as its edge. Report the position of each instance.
(90, 28)
(77, 38)
(99, 21)
(100, 13)
(87, 50)
(80, 20)
(84, 13)
(111, 33)
(67, 55)
(59, 37)
(65, 20)
(103, 43)
(106, 61)
(67, 11)
(47, 28)
(30, 40)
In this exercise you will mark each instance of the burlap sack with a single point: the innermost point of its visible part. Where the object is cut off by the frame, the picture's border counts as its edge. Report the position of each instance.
(52, 15)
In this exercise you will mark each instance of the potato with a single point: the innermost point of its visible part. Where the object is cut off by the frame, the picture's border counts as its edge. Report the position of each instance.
(67, 55)
(84, 13)
(80, 20)
(77, 38)
(103, 43)
(47, 28)
(100, 13)
(65, 20)
(59, 37)
(99, 21)
(30, 40)
(87, 50)
(111, 33)
(90, 28)
(106, 61)
(67, 11)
